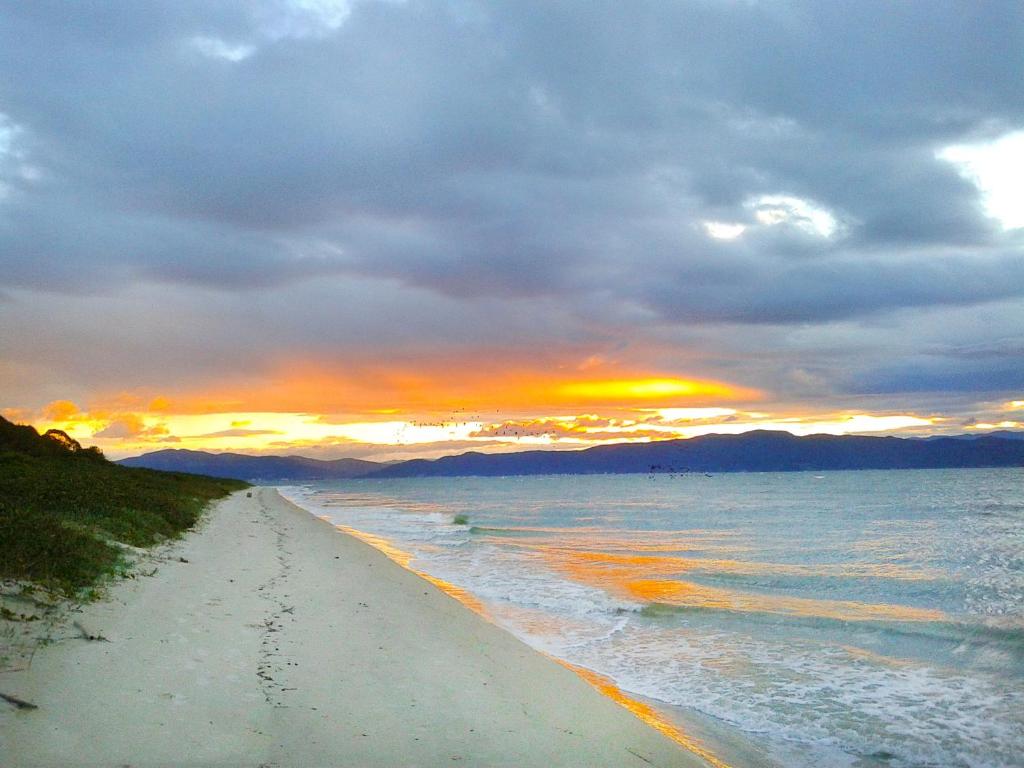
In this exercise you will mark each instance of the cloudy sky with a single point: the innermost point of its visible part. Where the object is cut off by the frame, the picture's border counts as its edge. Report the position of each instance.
(397, 227)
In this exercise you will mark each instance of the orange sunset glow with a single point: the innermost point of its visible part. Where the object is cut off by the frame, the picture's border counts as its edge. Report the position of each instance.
(399, 415)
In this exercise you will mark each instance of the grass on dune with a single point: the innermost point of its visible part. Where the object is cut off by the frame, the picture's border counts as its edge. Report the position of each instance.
(62, 508)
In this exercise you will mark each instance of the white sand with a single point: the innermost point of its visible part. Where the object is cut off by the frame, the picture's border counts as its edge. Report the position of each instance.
(282, 642)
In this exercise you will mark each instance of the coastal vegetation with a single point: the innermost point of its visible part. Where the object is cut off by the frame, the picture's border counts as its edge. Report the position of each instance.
(66, 513)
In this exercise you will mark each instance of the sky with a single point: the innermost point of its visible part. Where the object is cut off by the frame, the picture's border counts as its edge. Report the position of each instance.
(394, 228)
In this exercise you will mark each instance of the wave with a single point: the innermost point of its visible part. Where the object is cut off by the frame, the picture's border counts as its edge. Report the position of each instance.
(1011, 636)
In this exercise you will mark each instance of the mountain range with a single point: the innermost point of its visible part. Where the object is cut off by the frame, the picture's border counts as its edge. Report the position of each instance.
(756, 451)
(253, 468)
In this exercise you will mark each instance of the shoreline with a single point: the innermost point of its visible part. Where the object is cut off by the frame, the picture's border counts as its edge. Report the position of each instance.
(648, 713)
(717, 744)
(270, 643)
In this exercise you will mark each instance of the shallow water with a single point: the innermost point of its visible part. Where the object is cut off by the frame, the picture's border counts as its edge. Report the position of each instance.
(846, 618)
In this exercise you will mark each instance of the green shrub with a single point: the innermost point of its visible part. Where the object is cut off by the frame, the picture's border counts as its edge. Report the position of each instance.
(61, 503)
(41, 547)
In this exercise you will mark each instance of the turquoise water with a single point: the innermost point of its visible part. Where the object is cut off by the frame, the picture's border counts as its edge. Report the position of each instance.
(847, 618)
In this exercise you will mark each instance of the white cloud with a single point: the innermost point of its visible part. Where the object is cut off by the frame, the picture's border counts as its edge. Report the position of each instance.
(724, 230)
(278, 20)
(7, 131)
(330, 13)
(996, 168)
(694, 414)
(751, 123)
(304, 18)
(10, 157)
(216, 48)
(773, 210)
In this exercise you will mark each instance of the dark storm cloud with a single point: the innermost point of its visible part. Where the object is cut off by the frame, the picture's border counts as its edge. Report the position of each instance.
(427, 112)
(995, 365)
(515, 151)
(931, 376)
(71, 245)
(839, 288)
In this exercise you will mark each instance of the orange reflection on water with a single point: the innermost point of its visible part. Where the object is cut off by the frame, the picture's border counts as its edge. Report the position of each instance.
(594, 539)
(611, 552)
(645, 712)
(634, 577)
(615, 565)
(688, 595)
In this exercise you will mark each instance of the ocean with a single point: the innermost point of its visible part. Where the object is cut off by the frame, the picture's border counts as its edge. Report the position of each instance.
(870, 618)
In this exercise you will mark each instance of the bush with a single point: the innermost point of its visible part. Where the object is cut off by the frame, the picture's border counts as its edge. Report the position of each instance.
(61, 503)
(39, 546)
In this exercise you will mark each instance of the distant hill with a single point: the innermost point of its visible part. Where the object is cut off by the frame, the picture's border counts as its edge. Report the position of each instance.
(756, 451)
(252, 468)
(1003, 434)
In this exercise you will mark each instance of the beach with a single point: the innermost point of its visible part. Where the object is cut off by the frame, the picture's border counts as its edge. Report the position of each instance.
(267, 637)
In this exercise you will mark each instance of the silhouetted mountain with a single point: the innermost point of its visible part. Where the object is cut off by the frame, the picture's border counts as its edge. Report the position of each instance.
(1006, 434)
(757, 451)
(243, 467)
(1003, 434)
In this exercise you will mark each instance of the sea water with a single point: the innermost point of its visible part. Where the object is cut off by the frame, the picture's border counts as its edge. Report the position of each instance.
(845, 618)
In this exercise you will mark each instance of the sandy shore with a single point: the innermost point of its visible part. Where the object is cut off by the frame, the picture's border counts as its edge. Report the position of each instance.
(280, 642)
